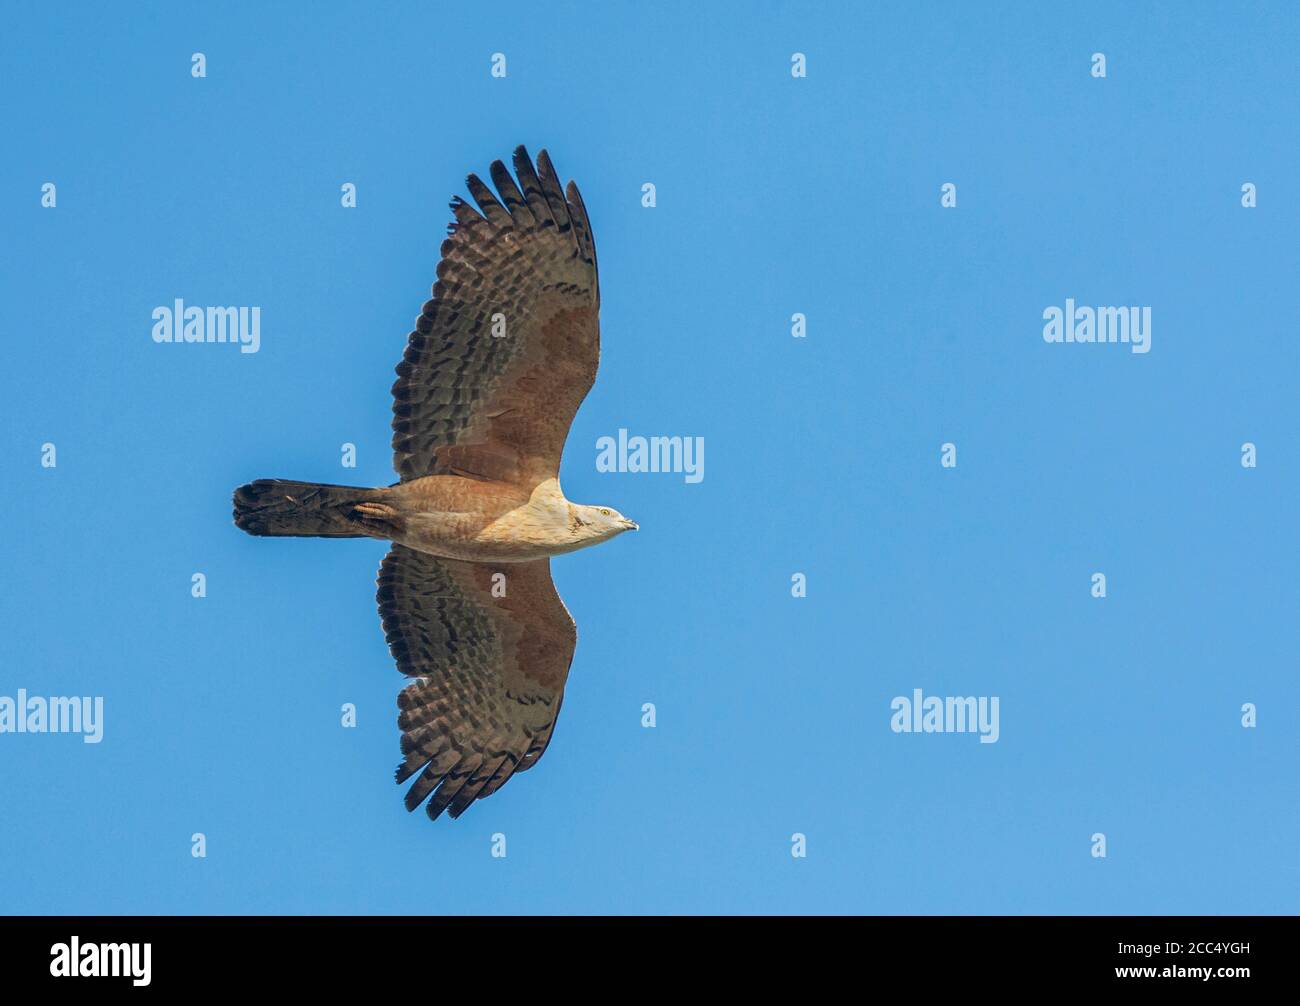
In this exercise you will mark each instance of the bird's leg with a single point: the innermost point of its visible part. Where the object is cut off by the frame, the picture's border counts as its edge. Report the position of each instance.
(379, 517)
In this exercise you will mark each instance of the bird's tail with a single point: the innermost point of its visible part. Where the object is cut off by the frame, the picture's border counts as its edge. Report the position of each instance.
(281, 508)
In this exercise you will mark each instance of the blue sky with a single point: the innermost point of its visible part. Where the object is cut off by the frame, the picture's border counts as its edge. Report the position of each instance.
(775, 195)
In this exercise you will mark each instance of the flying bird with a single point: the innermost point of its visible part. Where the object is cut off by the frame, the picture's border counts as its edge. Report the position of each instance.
(501, 357)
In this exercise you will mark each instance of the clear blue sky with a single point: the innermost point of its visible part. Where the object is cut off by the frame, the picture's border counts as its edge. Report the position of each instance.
(775, 195)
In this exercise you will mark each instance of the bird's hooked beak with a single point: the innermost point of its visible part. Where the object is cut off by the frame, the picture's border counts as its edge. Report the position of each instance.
(631, 525)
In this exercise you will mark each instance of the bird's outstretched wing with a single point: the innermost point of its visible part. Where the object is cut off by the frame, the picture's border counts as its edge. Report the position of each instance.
(489, 657)
(507, 348)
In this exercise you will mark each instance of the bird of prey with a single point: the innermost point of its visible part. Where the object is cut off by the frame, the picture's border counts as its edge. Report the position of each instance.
(500, 359)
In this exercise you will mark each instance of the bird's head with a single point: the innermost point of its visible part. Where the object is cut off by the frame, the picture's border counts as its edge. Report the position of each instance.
(601, 522)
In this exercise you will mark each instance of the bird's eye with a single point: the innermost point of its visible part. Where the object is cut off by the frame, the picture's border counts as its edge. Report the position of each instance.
(604, 512)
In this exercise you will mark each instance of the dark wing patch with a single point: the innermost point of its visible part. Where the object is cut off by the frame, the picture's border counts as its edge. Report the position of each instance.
(489, 672)
(499, 406)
